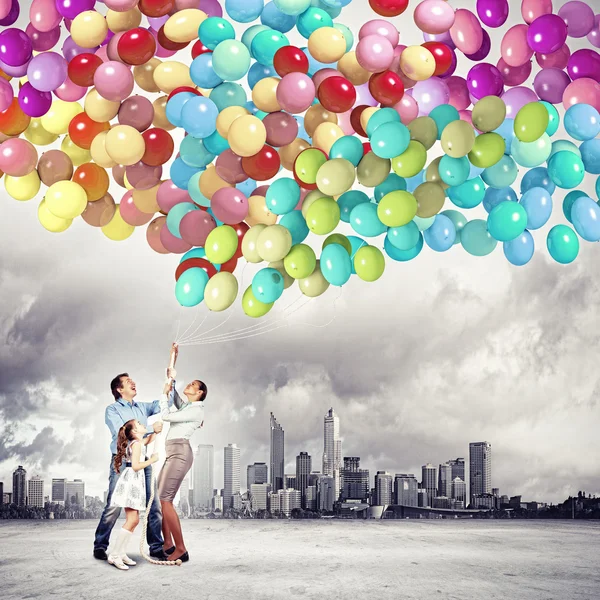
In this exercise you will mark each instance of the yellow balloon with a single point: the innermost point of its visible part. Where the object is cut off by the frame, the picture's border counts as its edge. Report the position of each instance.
(336, 176)
(66, 199)
(123, 21)
(145, 200)
(311, 197)
(125, 145)
(247, 135)
(78, 155)
(325, 135)
(315, 284)
(183, 25)
(227, 116)
(89, 29)
(100, 109)
(316, 115)
(23, 188)
(327, 44)
(258, 212)
(57, 119)
(144, 75)
(171, 74)
(264, 94)
(160, 114)
(37, 135)
(274, 243)
(366, 115)
(126, 183)
(117, 230)
(350, 68)
(210, 182)
(250, 243)
(98, 151)
(288, 280)
(221, 291)
(417, 63)
(51, 222)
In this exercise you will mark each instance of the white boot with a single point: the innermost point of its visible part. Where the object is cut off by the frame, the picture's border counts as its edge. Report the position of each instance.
(115, 556)
(123, 549)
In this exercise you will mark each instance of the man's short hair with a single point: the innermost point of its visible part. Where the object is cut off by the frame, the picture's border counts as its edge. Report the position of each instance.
(116, 383)
(203, 388)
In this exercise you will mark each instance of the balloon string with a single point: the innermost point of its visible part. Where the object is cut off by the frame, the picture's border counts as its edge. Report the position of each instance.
(183, 336)
(185, 339)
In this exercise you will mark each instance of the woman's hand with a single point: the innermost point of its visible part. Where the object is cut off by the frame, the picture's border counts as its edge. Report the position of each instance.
(168, 386)
(154, 458)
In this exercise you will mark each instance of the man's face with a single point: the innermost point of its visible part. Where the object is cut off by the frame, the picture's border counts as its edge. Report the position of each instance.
(127, 388)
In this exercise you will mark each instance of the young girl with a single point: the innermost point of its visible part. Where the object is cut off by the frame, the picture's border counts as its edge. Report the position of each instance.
(130, 491)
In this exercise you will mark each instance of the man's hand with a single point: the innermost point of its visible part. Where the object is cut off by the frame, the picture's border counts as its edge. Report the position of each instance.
(171, 373)
(158, 426)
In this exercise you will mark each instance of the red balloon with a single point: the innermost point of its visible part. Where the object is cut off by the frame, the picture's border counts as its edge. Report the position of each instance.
(199, 48)
(386, 87)
(167, 44)
(82, 68)
(240, 229)
(336, 94)
(159, 147)
(230, 265)
(389, 8)
(185, 88)
(195, 262)
(263, 165)
(290, 59)
(355, 119)
(366, 148)
(442, 55)
(156, 8)
(82, 130)
(136, 46)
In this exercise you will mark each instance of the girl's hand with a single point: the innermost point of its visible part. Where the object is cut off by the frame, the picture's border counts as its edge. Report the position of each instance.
(154, 458)
(168, 386)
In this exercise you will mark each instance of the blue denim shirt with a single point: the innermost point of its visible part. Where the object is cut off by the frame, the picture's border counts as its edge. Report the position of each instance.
(121, 411)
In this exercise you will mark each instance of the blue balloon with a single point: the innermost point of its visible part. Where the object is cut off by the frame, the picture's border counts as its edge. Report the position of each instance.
(332, 11)
(348, 147)
(202, 73)
(364, 220)
(180, 173)
(312, 19)
(475, 171)
(507, 131)
(282, 196)
(585, 216)
(197, 253)
(356, 243)
(598, 188)
(476, 239)
(250, 34)
(590, 155)
(228, 94)
(403, 255)
(493, 197)
(194, 154)
(254, 110)
(531, 154)
(537, 203)
(336, 3)
(454, 171)
(538, 177)
(582, 122)
(405, 237)
(392, 183)
(246, 187)
(348, 200)
(268, 285)
(336, 264)
(295, 223)
(215, 143)
(412, 183)
(214, 30)
(568, 202)
(189, 289)
(459, 221)
(441, 235)
(563, 244)
(199, 116)
(383, 115)
(390, 139)
(272, 17)
(244, 11)
(520, 250)
(176, 213)
(314, 65)
(175, 106)
(424, 223)
(258, 72)
(469, 194)
(502, 174)
(443, 115)
(564, 145)
(302, 133)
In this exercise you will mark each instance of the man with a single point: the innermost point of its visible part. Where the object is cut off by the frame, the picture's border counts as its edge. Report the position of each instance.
(117, 414)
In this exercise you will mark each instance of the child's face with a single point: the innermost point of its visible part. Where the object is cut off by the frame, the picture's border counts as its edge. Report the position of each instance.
(140, 429)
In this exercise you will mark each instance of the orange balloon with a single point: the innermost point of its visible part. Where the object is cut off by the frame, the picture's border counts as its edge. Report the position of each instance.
(13, 121)
(145, 200)
(210, 182)
(289, 153)
(93, 179)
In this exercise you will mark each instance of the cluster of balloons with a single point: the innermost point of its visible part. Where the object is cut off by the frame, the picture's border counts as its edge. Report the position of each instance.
(352, 122)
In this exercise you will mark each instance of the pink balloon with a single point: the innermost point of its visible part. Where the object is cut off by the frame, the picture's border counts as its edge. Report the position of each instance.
(229, 167)
(142, 176)
(168, 195)
(516, 98)
(532, 9)
(153, 235)
(556, 60)
(594, 35)
(5, 6)
(459, 92)
(363, 96)
(407, 108)
(466, 32)
(111, 47)
(303, 194)
(102, 52)
(195, 227)
(43, 15)
(113, 81)
(211, 7)
(374, 53)
(380, 27)
(514, 75)
(229, 205)
(582, 91)
(172, 243)
(161, 52)
(322, 74)
(121, 5)
(514, 48)
(183, 4)
(18, 157)
(344, 123)
(261, 190)
(465, 115)
(131, 214)
(295, 93)
(434, 16)
(6, 94)
(70, 92)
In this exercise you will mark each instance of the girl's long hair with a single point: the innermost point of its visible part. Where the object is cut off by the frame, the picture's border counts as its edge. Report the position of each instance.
(125, 435)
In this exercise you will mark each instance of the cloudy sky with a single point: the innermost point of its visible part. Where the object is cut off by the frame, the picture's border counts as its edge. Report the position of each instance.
(442, 351)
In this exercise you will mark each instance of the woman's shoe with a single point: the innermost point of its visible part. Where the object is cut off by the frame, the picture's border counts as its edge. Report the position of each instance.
(126, 560)
(183, 558)
(117, 562)
(170, 550)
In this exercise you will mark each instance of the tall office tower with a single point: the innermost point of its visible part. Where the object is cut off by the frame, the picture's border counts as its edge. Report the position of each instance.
(303, 469)
(184, 495)
(405, 489)
(332, 449)
(217, 500)
(19, 486)
(314, 477)
(355, 481)
(422, 499)
(259, 493)
(231, 470)
(35, 492)
(59, 491)
(289, 482)
(204, 474)
(458, 468)
(383, 488)
(256, 473)
(277, 455)
(445, 480)
(459, 490)
(325, 493)
(75, 493)
(429, 481)
(480, 469)
(311, 497)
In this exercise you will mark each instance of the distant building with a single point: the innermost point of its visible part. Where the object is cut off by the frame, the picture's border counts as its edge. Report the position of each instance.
(355, 481)
(204, 474)
(217, 500)
(383, 489)
(256, 473)
(260, 496)
(75, 493)
(2, 492)
(504, 501)
(332, 449)
(480, 469)
(441, 502)
(289, 482)
(515, 501)
(7, 498)
(277, 455)
(485, 501)
(458, 468)
(35, 492)
(406, 490)
(59, 491)
(326, 493)
(314, 477)
(422, 499)
(19, 486)
(311, 497)
(429, 480)
(445, 480)
(459, 490)
(285, 501)
(303, 469)
(231, 470)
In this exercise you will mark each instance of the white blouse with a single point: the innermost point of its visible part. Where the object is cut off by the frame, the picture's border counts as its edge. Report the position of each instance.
(188, 417)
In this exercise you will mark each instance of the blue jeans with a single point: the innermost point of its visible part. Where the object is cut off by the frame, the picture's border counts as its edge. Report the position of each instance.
(110, 514)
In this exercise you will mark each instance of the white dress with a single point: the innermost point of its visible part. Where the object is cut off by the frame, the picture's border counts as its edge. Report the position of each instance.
(130, 491)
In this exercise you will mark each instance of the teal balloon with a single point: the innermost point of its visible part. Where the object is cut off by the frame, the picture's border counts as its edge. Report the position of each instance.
(348, 147)
(348, 201)
(231, 60)
(568, 202)
(193, 152)
(469, 194)
(295, 223)
(403, 255)
(282, 196)
(405, 237)
(311, 20)
(194, 253)
(554, 120)
(216, 143)
(564, 146)
(454, 171)
(272, 17)
(390, 139)
(507, 221)
(598, 188)
(392, 183)
(189, 289)
(268, 285)
(443, 115)
(502, 174)
(520, 250)
(356, 243)
(228, 94)
(250, 34)
(563, 244)
(566, 170)
(292, 7)
(459, 221)
(193, 189)
(476, 239)
(332, 7)
(531, 154)
(364, 220)
(347, 33)
(176, 213)
(383, 115)
(214, 30)
(244, 11)
(266, 43)
(424, 223)
(336, 265)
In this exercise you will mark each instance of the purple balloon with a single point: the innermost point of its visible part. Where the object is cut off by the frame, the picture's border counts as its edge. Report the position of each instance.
(12, 16)
(549, 85)
(547, 34)
(484, 50)
(594, 35)
(363, 96)
(492, 13)
(14, 71)
(430, 94)
(69, 9)
(70, 49)
(47, 71)
(516, 98)
(33, 102)
(483, 80)
(445, 38)
(579, 18)
(584, 63)
(6, 94)
(211, 7)
(42, 41)
(15, 47)
(452, 67)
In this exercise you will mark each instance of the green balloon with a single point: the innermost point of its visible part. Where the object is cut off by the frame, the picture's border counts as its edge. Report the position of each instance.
(476, 239)
(531, 122)
(412, 160)
(372, 170)
(489, 113)
(300, 262)
(397, 208)
(487, 150)
(457, 139)
(339, 238)
(221, 244)
(369, 263)
(507, 221)
(323, 216)
(424, 130)
(308, 163)
(252, 307)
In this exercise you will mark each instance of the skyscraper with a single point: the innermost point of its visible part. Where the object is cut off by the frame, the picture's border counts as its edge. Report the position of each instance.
(260, 495)
(19, 486)
(332, 449)
(277, 455)
(231, 470)
(355, 481)
(458, 468)
(303, 469)
(256, 473)
(428, 481)
(204, 472)
(59, 491)
(459, 490)
(445, 480)
(75, 492)
(325, 493)
(35, 492)
(383, 488)
(289, 482)
(405, 489)
(480, 469)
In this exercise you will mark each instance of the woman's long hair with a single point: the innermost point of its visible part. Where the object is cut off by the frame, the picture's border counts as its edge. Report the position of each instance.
(125, 435)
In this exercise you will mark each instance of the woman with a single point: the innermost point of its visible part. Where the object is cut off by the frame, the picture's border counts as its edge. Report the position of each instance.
(184, 421)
